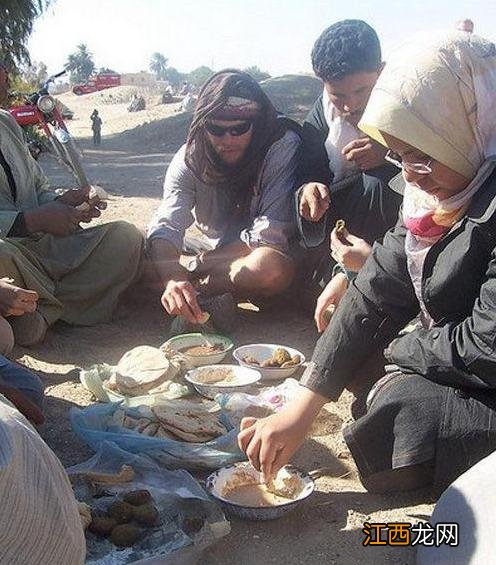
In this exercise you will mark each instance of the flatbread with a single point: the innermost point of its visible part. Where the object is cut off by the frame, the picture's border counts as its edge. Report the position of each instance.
(189, 420)
(151, 429)
(164, 434)
(141, 369)
(189, 437)
(141, 424)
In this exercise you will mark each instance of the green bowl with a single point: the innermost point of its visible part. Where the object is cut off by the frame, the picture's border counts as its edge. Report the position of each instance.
(190, 340)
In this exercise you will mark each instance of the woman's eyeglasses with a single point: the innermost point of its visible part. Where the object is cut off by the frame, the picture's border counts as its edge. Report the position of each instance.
(415, 168)
(235, 131)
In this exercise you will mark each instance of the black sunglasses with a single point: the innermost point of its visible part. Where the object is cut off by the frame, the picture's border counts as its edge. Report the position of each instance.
(235, 131)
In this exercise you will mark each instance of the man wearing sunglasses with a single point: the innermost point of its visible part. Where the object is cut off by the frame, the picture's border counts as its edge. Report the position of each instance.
(225, 227)
(344, 173)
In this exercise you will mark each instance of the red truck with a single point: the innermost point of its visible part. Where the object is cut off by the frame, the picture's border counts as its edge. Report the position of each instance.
(97, 82)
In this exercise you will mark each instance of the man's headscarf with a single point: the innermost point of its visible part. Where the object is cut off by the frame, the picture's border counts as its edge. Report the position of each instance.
(232, 95)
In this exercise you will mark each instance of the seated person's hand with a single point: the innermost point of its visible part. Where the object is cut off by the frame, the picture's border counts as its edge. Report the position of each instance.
(15, 301)
(180, 299)
(269, 443)
(86, 200)
(331, 295)
(348, 250)
(314, 201)
(365, 152)
(56, 218)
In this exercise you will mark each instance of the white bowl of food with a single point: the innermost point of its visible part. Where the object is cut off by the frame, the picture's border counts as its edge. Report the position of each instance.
(240, 491)
(211, 380)
(273, 361)
(200, 349)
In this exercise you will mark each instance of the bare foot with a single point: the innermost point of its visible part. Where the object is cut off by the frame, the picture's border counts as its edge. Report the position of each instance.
(16, 301)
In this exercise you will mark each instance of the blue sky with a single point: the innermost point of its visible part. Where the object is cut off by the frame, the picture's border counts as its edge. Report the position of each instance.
(276, 35)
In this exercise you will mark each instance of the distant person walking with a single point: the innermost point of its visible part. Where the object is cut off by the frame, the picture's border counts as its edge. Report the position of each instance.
(96, 126)
(465, 25)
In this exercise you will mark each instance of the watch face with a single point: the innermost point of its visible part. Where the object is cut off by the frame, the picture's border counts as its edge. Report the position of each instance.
(192, 264)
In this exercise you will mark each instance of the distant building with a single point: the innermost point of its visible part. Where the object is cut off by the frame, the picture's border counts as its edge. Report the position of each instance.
(138, 79)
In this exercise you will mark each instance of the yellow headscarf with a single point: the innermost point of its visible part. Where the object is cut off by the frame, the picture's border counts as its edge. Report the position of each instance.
(438, 94)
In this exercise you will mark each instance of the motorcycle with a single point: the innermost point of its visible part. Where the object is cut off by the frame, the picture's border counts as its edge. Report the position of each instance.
(40, 113)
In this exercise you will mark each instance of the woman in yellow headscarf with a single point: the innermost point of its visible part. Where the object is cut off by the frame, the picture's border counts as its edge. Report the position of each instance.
(433, 414)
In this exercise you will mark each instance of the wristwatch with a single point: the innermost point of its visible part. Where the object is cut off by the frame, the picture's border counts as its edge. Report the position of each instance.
(193, 263)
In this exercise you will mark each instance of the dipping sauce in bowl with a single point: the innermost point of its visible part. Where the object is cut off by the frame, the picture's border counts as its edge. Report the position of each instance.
(240, 490)
(203, 349)
(200, 349)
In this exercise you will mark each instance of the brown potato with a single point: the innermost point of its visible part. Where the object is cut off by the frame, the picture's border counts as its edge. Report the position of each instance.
(251, 360)
(122, 512)
(269, 363)
(102, 525)
(147, 515)
(125, 535)
(137, 497)
(281, 356)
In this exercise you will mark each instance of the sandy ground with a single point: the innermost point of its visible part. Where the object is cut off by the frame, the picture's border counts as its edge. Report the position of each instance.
(327, 529)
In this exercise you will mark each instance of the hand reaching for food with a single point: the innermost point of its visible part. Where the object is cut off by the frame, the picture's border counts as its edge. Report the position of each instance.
(314, 201)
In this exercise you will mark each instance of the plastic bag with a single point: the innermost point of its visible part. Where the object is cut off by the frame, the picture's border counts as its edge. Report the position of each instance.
(94, 377)
(268, 401)
(189, 520)
(93, 425)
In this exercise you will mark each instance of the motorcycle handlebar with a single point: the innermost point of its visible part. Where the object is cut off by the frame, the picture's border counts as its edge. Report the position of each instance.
(50, 79)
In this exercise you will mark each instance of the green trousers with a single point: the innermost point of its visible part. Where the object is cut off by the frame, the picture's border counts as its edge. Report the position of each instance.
(80, 277)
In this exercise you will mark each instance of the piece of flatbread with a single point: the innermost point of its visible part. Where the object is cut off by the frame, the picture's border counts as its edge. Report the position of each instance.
(141, 369)
(129, 422)
(141, 424)
(189, 437)
(151, 429)
(164, 434)
(188, 419)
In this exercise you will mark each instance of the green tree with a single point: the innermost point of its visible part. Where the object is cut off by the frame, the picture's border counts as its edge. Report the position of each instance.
(158, 65)
(107, 71)
(173, 76)
(257, 73)
(16, 23)
(200, 75)
(34, 74)
(80, 64)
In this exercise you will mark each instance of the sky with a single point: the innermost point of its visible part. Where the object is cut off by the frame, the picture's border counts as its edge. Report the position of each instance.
(275, 35)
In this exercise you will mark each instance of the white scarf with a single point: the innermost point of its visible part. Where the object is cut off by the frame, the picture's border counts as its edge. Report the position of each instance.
(341, 132)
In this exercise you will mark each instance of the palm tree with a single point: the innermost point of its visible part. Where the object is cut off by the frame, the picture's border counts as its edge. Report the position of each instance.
(80, 64)
(16, 23)
(158, 65)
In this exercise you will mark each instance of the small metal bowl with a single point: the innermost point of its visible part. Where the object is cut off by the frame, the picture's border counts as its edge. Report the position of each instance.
(245, 378)
(216, 481)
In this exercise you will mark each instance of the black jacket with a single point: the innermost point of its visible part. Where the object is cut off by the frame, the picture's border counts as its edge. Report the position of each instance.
(366, 203)
(459, 292)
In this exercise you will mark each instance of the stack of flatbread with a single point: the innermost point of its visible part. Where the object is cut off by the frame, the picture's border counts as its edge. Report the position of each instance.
(180, 421)
(143, 370)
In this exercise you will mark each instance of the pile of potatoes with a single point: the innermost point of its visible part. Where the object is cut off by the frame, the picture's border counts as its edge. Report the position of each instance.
(124, 519)
(281, 358)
